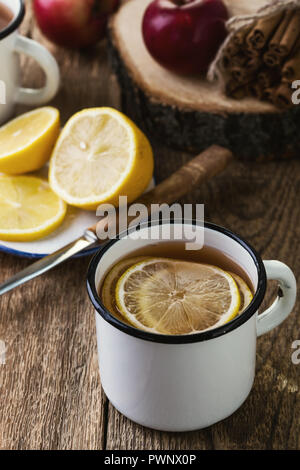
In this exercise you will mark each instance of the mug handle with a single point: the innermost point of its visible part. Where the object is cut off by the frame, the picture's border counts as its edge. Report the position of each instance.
(40, 96)
(284, 304)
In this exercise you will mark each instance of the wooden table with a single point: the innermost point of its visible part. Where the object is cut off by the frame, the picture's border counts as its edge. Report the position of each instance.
(51, 395)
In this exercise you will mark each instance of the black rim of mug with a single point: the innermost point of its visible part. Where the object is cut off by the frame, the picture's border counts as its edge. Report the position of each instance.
(180, 339)
(15, 23)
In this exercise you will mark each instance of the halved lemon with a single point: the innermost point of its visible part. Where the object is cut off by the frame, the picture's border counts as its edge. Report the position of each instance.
(245, 292)
(100, 155)
(27, 141)
(176, 297)
(29, 209)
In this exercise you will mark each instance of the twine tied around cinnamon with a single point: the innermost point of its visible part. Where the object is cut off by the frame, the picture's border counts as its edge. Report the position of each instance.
(261, 54)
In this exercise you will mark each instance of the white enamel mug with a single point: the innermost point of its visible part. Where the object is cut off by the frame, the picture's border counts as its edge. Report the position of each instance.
(11, 45)
(187, 382)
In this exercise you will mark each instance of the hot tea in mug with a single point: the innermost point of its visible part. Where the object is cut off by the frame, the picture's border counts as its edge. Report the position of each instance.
(165, 288)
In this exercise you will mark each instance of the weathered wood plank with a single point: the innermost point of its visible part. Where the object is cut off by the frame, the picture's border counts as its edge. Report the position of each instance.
(50, 389)
(51, 395)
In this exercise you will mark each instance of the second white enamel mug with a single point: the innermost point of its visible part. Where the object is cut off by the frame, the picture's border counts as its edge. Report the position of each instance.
(11, 45)
(188, 382)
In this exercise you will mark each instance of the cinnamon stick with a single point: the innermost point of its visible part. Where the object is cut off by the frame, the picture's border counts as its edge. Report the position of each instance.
(242, 72)
(256, 90)
(252, 53)
(254, 63)
(240, 90)
(232, 56)
(239, 74)
(239, 60)
(232, 48)
(269, 94)
(267, 77)
(262, 31)
(272, 59)
(239, 93)
(291, 69)
(240, 36)
(236, 90)
(283, 96)
(190, 176)
(286, 34)
(225, 63)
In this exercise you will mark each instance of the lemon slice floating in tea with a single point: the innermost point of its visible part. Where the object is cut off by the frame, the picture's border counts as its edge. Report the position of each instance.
(109, 285)
(245, 292)
(29, 209)
(176, 297)
(100, 155)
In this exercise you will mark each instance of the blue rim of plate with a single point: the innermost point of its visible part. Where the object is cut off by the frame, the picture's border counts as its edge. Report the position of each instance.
(24, 254)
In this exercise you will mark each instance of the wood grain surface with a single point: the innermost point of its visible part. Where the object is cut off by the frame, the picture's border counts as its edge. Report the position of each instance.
(50, 389)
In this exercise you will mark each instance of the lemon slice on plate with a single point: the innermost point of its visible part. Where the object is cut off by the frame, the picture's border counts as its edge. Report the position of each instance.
(29, 209)
(245, 292)
(27, 141)
(167, 296)
(100, 155)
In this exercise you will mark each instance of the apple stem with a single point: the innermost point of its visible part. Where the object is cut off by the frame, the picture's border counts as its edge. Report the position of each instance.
(101, 6)
(181, 2)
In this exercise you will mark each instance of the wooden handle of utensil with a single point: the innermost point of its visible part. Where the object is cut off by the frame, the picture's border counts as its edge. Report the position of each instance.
(198, 170)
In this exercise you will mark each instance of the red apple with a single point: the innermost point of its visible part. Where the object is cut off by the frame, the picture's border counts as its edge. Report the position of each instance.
(74, 23)
(184, 35)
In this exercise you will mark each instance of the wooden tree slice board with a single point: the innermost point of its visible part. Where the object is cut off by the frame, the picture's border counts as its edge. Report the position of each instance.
(191, 113)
